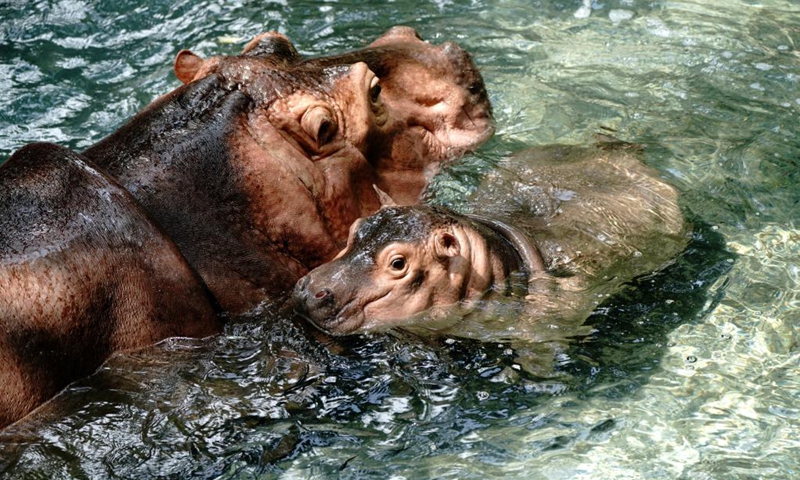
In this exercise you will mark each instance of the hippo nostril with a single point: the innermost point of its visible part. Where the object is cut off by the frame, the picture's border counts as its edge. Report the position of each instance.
(322, 299)
(322, 294)
(456, 54)
(475, 88)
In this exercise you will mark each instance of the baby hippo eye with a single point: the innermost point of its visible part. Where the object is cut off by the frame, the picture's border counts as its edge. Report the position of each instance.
(398, 263)
(375, 90)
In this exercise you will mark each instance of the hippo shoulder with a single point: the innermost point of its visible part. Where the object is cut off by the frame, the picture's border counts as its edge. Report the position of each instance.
(51, 196)
(83, 273)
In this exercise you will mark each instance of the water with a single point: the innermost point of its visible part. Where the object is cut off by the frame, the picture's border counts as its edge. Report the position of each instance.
(690, 374)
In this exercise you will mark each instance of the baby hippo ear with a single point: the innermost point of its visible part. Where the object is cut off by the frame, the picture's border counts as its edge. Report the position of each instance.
(445, 244)
(385, 199)
(187, 64)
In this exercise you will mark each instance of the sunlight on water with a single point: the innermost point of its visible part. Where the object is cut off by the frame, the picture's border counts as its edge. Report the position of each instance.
(693, 373)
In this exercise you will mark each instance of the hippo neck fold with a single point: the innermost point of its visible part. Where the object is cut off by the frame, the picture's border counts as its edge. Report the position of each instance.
(528, 258)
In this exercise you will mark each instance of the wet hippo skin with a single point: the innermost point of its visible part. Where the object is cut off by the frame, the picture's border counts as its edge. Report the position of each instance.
(216, 197)
(559, 227)
(83, 273)
(258, 165)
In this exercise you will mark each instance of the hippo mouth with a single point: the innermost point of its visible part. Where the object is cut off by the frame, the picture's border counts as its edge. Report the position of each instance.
(454, 142)
(337, 326)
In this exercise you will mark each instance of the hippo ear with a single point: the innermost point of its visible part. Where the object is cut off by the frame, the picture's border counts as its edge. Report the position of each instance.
(187, 64)
(384, 198)
(318, 122)
(397, 34)
(272, 44)
(446, 245)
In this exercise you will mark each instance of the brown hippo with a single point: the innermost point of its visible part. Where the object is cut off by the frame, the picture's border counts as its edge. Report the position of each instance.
(258, 165)
(561, 227)
(83, 273)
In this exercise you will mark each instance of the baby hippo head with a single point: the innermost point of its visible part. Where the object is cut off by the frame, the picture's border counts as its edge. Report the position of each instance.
(399, 262)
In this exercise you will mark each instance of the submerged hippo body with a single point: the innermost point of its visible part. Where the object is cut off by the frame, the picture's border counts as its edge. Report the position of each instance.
(560, 227)
(258, 165)
(83, 273)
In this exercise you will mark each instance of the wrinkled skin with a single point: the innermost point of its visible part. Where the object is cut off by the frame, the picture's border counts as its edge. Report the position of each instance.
(83, 273)
(558, 226)
(258, 165)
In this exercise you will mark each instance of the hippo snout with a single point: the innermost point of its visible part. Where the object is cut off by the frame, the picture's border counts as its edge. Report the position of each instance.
(314, 302)
(310, 297)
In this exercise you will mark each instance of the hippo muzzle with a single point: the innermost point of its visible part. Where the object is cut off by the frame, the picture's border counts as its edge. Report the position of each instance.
(328, 301)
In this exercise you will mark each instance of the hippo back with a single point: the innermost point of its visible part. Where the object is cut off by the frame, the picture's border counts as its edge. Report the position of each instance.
(84, 273)
(594, 212)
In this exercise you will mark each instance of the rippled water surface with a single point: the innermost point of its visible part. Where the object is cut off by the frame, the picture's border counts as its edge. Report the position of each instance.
(693, 373)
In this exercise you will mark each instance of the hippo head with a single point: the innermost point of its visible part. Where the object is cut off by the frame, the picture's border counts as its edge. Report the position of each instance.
(435, 96)
(400, 262)
(419, 104)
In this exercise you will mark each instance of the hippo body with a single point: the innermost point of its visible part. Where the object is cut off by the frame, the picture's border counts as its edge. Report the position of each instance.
(560, 227)
(258, 165)
(84, 272)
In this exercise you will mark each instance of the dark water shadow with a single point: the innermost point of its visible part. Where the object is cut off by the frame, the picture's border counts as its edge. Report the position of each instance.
(632, 327)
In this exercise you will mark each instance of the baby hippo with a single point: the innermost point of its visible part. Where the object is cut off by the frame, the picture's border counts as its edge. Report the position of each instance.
(560, 227)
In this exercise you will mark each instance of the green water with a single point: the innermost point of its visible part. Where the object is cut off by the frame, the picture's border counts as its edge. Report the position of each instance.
(694, 373)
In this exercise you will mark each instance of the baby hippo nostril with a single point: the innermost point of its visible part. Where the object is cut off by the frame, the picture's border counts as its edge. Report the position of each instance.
(303, 283)
(323, 298)
(322, 294)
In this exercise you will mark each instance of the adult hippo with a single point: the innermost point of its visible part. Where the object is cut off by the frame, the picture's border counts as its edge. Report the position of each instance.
(560, 227)
(83, 273)
(258, 165)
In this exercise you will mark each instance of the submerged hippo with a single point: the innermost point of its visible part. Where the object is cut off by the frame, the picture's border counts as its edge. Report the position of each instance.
(83, 273)
(258, 165)
(559, 227)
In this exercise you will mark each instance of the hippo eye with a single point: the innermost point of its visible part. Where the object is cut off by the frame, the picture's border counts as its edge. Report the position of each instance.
(375, 91)
(398, 263)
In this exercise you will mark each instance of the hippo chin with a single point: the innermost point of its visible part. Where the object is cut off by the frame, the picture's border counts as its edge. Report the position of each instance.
(257, 166)
(557, 227)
